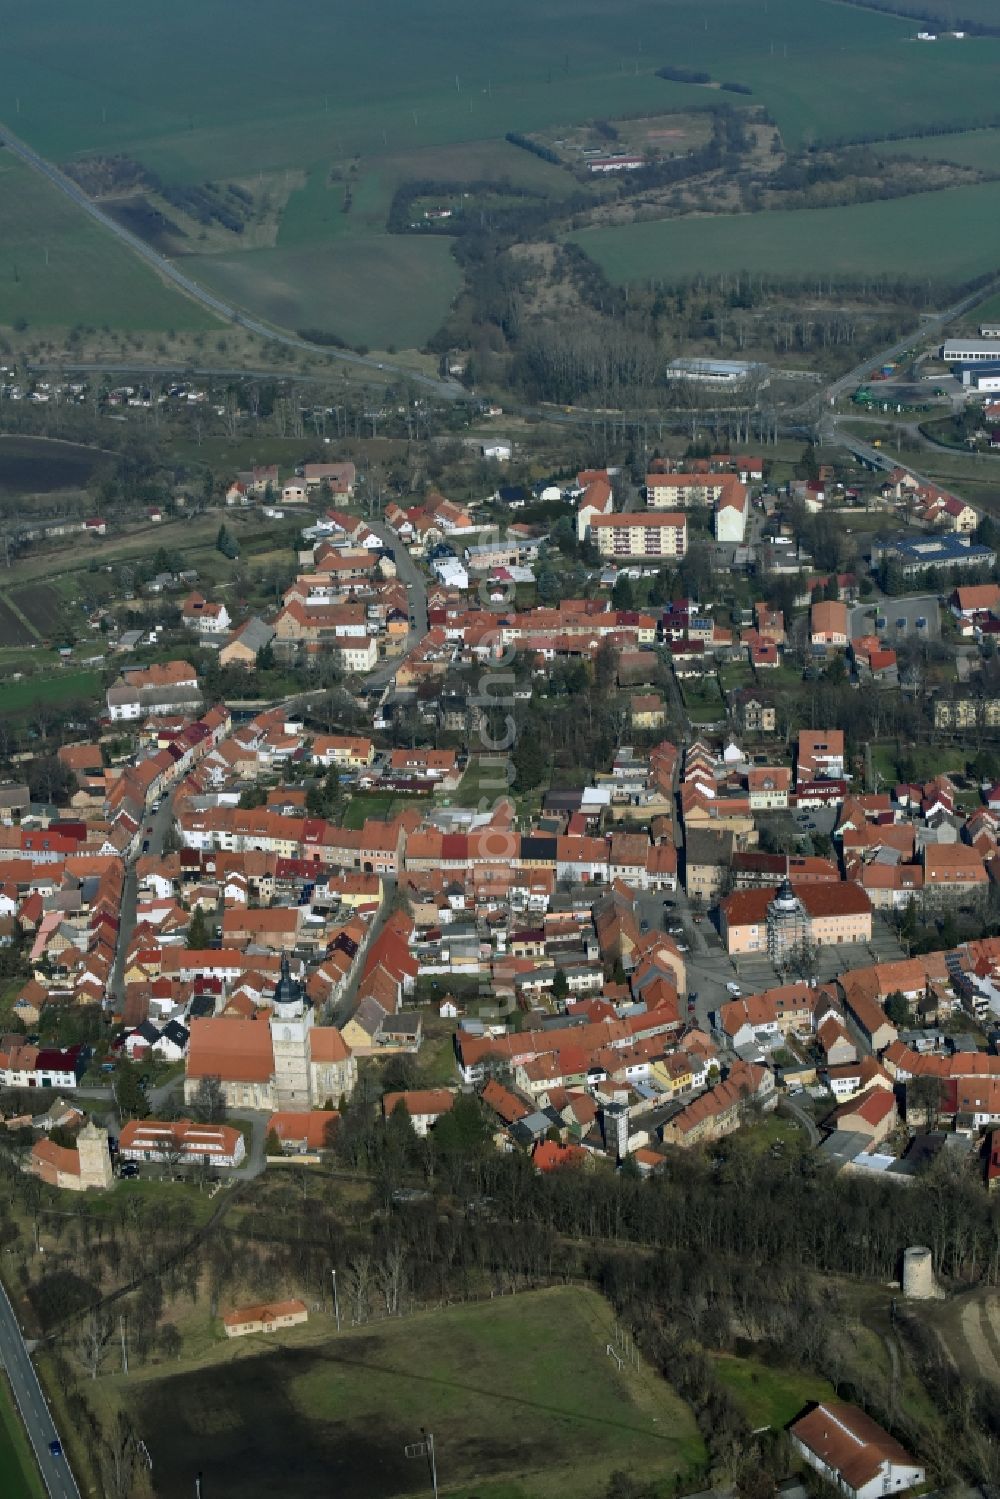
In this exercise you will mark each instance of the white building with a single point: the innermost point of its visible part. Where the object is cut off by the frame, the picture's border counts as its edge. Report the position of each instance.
(450, 573)
(731, 515)
(180, 1141)
(358, 655)
(969, 350)
(853, 1452)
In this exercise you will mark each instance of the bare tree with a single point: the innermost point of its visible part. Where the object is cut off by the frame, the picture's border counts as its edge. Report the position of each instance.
(95, 1334)
(209, 1103)
(120, 1460)
(357, 1282)
(391, 1274)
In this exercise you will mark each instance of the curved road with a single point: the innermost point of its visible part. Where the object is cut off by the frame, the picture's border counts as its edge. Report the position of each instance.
(56, 1472)
(446, 389)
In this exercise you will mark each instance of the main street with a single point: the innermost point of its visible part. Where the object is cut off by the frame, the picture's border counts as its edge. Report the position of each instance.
(158, 824)
(56, 1472)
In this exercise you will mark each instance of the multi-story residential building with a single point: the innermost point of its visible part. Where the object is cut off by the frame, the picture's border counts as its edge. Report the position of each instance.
(666, 490)
(640, 535)
(954, 874)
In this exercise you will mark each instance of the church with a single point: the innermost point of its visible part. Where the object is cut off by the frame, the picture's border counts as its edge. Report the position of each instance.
(280, 1062)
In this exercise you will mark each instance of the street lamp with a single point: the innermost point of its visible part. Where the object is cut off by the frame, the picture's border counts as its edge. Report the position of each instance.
(336, 1299)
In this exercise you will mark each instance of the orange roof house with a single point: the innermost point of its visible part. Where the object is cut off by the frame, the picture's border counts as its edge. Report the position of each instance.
(853, 1452)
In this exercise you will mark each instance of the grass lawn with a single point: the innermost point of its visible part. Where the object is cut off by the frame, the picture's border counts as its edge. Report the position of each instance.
(519, 1394)
(736, 675)
(19, 1474)
(929, 759)
(485, 779)
(59, 268)
(702, 699)
(775, 1129)
(769, 1397)
(845, 241)
(381, 804)
(192, 1196)
(59, 687)
(780, 676)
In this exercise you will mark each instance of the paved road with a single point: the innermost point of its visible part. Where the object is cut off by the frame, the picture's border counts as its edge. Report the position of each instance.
(256, 1160)
(445, 389)
(159, 822)
(408, 573)
(56, 1472)
(855, 377)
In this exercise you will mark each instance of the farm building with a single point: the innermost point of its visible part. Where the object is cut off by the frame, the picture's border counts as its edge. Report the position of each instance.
(267, 1317)
(853, 1452)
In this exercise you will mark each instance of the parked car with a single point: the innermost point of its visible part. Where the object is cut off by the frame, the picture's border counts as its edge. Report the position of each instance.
(901, 622)
(734, 990)
(128, 1169)
(922, 623)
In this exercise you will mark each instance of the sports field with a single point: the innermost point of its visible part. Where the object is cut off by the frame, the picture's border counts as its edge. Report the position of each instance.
(861, 240)
(58, 268)
(519, 1393)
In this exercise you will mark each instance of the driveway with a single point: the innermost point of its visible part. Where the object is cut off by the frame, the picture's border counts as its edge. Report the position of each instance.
(256, 1159)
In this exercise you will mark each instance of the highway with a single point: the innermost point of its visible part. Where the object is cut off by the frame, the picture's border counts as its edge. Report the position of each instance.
(446, 389)
(56, 1472)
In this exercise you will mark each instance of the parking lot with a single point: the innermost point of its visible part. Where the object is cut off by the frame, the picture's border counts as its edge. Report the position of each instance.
(902, 619)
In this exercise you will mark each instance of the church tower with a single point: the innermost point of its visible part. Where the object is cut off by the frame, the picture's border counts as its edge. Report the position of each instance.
(95, 1157)
(291, 1021)
(788, 925)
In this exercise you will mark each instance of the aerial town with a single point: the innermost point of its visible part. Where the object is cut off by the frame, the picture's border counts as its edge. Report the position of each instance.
(500, 752)
(756, 899)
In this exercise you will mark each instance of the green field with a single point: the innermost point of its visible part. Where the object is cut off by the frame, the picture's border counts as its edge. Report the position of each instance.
(19, 1474)
(379, 289)
(860, 240)
(379, 804)
(986, 312)
(59, 268)
(341, 79)
(972, 148)
(519, 1393)
(766, 1396)
(426, 90)
(58, 687)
